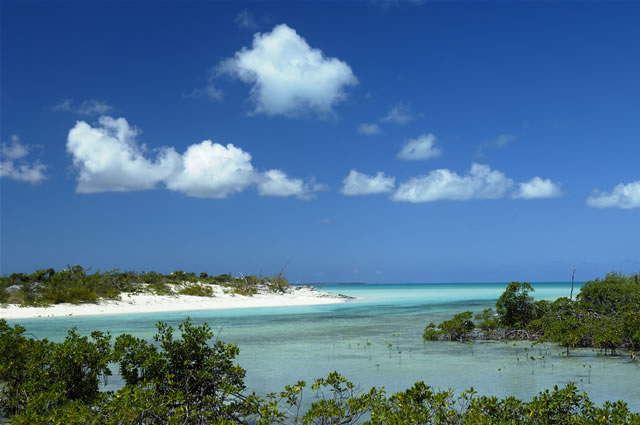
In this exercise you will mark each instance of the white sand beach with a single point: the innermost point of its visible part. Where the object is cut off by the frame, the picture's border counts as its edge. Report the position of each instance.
(149, 303)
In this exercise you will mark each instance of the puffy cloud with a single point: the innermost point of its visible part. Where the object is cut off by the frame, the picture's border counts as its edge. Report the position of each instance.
(400, 114)
(245, 20)
(422, 147)
(108, 158)
(360, 184)
(14, 165)
(369, 129)
(537, 188)
(481, 183)
(87, 107)
(622, 196)
(211, 170)
(287, 75)
(277, 183)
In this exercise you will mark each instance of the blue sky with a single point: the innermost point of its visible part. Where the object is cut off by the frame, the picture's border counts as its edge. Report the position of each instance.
(359, 141)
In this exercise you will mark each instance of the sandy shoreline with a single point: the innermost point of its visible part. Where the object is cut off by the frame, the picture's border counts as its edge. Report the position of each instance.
(147, 303)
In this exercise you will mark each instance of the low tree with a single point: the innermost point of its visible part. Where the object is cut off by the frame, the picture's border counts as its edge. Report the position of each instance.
(515, 305)
(565, 324)
(194, 380)
(38, 375)
(458, 328)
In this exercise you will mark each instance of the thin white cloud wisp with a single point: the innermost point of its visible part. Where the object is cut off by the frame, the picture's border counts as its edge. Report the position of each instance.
(400, 114)
(86, 107)
(245, 20)
(369, 129)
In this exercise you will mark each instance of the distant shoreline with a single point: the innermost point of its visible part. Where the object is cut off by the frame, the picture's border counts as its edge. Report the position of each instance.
(149, 303)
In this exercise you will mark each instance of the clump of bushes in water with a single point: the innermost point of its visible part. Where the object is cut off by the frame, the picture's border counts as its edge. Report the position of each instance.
(192, 380)
(605, 314)
(76, 284)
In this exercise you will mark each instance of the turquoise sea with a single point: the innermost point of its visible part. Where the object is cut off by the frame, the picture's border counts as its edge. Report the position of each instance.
(376, 340)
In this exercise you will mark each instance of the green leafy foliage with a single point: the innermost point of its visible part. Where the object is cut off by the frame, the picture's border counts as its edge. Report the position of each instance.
(605, 314)
(194, 380)
(188, 379)
(614, 294)
(39, 375)
(459, 328)
(76, 285)
(431, 333)
(197, 290)
(515, 306)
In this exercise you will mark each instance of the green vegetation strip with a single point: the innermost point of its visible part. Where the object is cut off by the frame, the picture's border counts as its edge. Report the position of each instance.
(192, 380)
(605, 315)
(76, 285)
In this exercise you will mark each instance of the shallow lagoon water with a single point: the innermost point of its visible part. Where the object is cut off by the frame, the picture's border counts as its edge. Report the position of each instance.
(376, 340)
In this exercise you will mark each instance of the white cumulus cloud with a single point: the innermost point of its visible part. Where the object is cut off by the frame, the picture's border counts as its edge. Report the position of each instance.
(277, 183)
(481, 183)
(211, 170)
(369, 129)
(287, 75)
(109, 158)
(361, 184)
(622, 196)
(538, 188)
(13, 163)
(422, 147)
